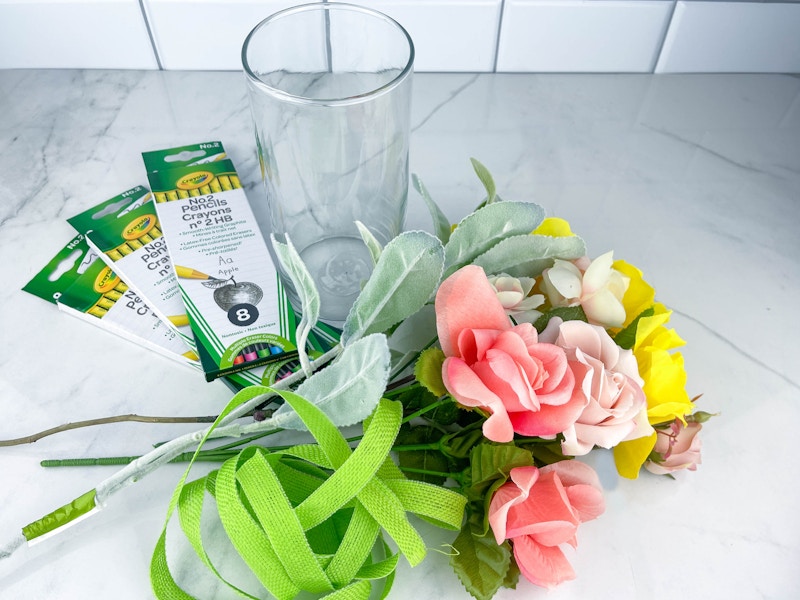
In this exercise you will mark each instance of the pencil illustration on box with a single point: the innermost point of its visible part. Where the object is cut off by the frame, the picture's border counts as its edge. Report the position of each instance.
(127, 235)
(226, 280)
(81, 284)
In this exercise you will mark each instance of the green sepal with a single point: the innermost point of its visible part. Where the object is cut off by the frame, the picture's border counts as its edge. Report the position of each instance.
(428, 371)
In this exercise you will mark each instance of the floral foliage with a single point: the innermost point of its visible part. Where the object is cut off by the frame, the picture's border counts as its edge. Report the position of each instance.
(481, 363)
(511, 351)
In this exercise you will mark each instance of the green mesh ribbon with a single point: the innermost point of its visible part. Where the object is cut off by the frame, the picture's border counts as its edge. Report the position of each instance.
(312, 518)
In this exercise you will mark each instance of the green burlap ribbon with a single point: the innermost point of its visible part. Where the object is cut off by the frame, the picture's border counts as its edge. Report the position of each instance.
(312, 518)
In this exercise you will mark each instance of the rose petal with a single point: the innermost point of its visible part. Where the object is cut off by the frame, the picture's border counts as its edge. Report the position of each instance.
(510, 494)
(456, 303)
(474, 343)
(468, 389)
(549, 419)
(604, 308)
(565, 278)
(597, 274)
(505, 378)
(542, 565)
(560, 379)
(546, 513)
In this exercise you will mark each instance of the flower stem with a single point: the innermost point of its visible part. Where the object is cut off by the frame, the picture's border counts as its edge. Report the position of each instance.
(413, 447)
(424, 409)
(29, 439)
(455, 476)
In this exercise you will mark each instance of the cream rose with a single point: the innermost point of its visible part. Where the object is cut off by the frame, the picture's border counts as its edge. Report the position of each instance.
(609, 377)
(596, 287)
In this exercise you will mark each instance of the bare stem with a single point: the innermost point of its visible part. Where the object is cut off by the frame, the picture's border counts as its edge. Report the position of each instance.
(29, 439)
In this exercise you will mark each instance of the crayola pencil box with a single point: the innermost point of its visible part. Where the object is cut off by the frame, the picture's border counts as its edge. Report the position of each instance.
(237, 309)
(125, 232)
(84, 286)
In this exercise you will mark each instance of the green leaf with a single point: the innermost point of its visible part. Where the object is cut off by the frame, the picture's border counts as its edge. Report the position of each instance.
(348, 390)
(480, 563)
(490, 462)
(627, 337)
(566, 313)
(373, 245)
(407, 274)
(441, 225)
(306, 291)
(512, 576)
(546, 454)
(529, 255)
(428, 371)
(486, 179)
(419, 397)
(460, 443)
(487, 226)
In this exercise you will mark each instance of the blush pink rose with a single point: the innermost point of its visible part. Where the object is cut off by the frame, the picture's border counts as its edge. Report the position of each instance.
(678, 448)
(609, 376)
(526, 386)
(540, 509)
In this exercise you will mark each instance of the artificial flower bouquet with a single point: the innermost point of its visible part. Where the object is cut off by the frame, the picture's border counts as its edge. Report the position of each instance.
(476, 366)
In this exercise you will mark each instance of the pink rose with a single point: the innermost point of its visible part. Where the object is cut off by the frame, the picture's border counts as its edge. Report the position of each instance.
(527, 386)
(609, 376)
(540, 509)
(677, 447)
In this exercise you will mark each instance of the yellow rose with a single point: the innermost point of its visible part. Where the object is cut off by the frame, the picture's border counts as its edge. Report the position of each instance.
(664, 385)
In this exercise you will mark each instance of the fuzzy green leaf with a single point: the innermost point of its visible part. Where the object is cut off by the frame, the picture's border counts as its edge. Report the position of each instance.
(347, 390)
(306, 291)
(373, 245)
(441, 225)
(428, 371)
(529, 255)
(405, 277)
(487, 226)
(486, 179)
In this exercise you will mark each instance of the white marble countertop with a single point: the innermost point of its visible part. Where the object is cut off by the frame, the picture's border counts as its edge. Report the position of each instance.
(695, 179)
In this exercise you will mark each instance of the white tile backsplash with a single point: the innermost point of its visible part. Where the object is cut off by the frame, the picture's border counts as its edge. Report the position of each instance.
(449, 35)
(206, 34)
(580, 36)
(99, 34)
(732, 37)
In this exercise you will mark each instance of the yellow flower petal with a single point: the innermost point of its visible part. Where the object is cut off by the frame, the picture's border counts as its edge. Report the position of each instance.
(554, 227)
(639, 296)
(630, 456)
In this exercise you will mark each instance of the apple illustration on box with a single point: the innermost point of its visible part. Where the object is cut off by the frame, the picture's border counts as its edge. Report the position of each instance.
(237, 298)
(228, 292)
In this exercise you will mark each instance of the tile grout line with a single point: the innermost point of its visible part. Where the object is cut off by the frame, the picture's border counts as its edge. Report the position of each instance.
(497, 37)
(150, 35)
(663, 39)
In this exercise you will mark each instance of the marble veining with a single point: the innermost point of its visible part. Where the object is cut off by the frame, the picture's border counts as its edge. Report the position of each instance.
(693, 178)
